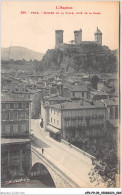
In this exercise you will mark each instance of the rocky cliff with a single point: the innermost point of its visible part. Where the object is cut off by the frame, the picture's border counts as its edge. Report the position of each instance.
(87, 57)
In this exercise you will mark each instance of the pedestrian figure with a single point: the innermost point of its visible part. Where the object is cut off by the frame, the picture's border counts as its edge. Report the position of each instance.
(42, 150)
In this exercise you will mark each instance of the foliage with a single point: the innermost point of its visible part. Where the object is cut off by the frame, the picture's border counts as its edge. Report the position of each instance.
(94, 80)
(105, 165)
(84, 58)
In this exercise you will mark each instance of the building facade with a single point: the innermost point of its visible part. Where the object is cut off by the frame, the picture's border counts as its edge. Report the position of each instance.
(16, 117)
(15, 158)
(75, 120)
(15, 143)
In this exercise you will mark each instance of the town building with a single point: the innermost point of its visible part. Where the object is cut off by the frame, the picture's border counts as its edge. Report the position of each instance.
(15, 131)
(16, 116)
(50, 100)
(77, 120)
(15, 158)
(80, 91)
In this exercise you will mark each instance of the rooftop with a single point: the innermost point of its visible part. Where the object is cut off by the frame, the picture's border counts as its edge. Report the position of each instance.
(12, 98)
(76, 106)
(98, 31)
(60, 98)
(79, 88)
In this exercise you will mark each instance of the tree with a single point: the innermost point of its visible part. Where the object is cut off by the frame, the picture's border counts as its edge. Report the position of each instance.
(105, 165)
(94, 80)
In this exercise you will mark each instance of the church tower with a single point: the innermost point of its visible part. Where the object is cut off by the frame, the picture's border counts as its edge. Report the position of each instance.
(98, 36)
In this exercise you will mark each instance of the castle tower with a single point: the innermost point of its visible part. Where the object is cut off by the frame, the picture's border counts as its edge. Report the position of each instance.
(98, 36)
(78, 37)
(58, 37)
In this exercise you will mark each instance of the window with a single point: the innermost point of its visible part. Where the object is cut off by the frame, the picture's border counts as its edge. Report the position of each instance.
(23, 151)
(51, 120)
(111, 113)
(116, 112)
(73, 93)
(27, 105)
(57, 122)
(23, 106)
(7, 128)
(23, 127)
(3, 106)
(12, 106)
(7, 116)
(54, 121)
(19, 116)
(82, 94)
(15, 128)
(15, 115)
(7, 106)
(3, 116)
(27, 115)
(11, 116)
(54, 112)
(23, 115)
(19, 105)
(15, 106)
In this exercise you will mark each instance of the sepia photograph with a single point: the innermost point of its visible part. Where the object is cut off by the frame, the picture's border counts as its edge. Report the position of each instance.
(60, 94)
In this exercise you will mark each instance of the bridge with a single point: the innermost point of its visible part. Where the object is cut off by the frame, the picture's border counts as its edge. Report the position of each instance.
(69, 167)
(60, 179)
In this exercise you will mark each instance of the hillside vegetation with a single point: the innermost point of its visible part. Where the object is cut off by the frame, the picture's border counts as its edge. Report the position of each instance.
(88, 57)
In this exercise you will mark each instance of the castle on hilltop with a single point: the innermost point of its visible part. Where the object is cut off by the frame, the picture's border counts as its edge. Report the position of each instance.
(77, 38)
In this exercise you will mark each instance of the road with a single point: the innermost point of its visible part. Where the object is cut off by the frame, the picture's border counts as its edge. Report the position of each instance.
(74, 164)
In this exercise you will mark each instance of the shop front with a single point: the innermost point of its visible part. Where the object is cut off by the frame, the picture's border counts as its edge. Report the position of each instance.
(54, 132)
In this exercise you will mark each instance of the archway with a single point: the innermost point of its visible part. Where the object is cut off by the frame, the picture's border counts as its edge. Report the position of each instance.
(41, 173)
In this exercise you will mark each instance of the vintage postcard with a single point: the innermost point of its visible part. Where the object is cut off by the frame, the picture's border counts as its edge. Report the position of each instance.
(60, 106)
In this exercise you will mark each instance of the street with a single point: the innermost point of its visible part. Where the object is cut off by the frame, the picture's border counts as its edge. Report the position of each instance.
(71, 162)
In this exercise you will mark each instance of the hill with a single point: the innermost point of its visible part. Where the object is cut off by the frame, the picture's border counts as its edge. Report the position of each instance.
(20, 53)
(87, 57)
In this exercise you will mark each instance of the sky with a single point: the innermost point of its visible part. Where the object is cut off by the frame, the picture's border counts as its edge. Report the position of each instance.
(37, 31)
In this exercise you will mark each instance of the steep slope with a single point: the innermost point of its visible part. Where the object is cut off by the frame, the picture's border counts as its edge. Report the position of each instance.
(88, 57)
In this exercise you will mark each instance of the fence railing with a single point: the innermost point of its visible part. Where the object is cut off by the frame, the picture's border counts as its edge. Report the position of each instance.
(78, 149)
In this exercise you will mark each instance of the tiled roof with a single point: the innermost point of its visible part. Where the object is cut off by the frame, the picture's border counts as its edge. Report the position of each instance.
(79, 88)
(12, 98)
(75, 106)
(58, 98)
